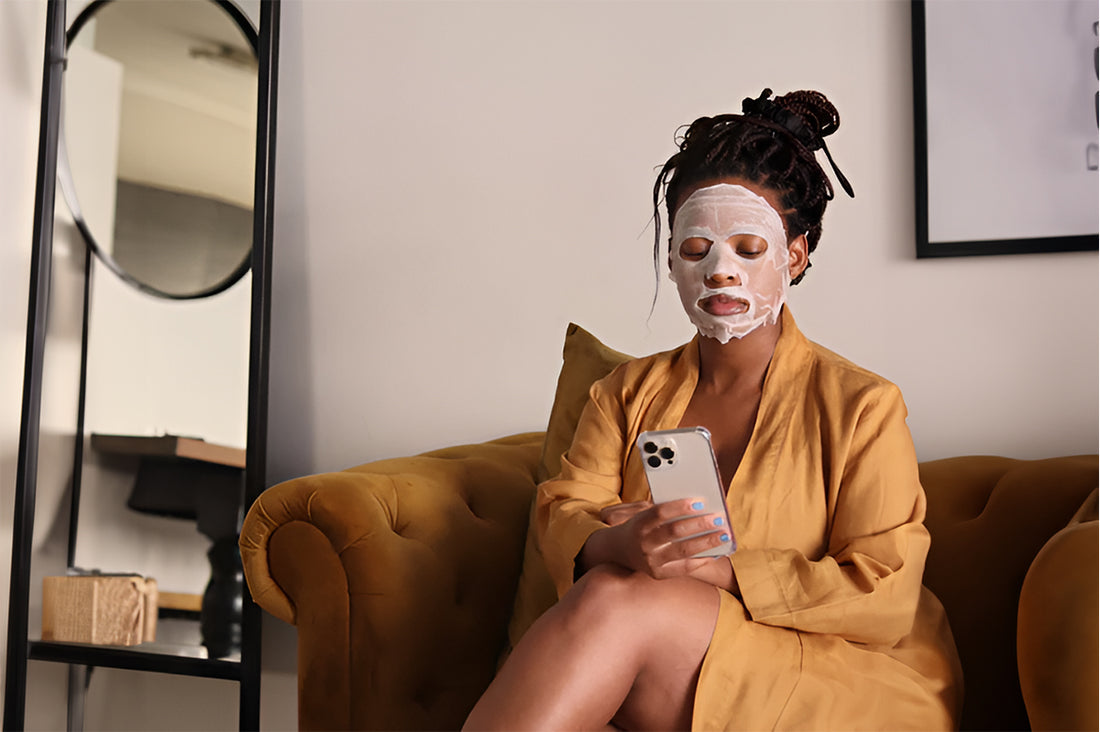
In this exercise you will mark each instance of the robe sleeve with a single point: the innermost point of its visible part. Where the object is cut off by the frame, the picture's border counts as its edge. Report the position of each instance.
(568, 506)
(866, 586)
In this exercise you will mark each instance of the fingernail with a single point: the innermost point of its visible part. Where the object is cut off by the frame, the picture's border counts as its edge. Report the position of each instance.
(698, 506)
(718, 521)
(725, 537)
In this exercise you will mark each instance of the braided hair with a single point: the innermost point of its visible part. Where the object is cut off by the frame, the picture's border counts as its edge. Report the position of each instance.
(772, 143)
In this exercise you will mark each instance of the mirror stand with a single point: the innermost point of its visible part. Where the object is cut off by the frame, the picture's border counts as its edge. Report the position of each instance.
(82, 658)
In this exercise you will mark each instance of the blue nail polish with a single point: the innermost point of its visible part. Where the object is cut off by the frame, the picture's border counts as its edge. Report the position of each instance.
(698, 506)
(725, 537)
(718, 521)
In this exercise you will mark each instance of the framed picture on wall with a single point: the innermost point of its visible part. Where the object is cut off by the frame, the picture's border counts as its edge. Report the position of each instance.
(1006, 112)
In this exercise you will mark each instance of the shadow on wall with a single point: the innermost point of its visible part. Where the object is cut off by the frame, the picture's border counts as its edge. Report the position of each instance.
(291, 422)
(19, 48)
(46, 682)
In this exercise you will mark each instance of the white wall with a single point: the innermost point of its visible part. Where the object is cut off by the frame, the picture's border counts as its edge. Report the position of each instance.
(458, 180)
(21, 27)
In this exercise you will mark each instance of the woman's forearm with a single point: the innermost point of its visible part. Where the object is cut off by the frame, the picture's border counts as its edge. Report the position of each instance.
(604, 547)
(599, 549)
(719, 572)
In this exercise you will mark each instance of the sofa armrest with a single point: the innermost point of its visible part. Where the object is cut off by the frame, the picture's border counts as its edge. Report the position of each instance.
(400, 575)
(1056, 633)
(989, 517)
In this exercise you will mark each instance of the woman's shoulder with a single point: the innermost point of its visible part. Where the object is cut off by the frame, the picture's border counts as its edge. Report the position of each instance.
(823, 369)
(637, 383)
(846, 378)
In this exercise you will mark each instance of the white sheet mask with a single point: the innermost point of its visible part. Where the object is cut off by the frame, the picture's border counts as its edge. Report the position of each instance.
(717, 213)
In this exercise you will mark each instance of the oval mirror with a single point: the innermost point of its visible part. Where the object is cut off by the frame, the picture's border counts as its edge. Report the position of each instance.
(172, 84)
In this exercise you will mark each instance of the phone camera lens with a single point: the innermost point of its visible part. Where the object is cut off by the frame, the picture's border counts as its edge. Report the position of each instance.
(654, 461)
(650, 447)
(667, 453)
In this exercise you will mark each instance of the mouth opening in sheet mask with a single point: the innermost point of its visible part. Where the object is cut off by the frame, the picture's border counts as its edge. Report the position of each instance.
(759, 284)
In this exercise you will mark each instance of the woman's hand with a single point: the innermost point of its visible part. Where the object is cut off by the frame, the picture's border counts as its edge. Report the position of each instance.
(620, 513)
(653, 538)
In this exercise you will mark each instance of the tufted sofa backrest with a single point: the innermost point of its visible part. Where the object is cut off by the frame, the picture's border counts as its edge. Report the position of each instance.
(404, 572)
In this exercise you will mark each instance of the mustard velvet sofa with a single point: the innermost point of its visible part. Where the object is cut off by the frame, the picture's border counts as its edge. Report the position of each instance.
(406, 578)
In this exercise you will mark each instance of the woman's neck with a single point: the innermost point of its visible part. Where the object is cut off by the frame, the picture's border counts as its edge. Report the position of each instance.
(738, 364)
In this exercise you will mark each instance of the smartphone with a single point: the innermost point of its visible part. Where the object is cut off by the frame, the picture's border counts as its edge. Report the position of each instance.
(679, 464)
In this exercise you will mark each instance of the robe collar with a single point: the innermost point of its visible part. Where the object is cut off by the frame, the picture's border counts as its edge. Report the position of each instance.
(784, 388)
(791, 355)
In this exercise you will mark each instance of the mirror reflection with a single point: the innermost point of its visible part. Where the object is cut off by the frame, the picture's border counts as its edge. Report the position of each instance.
(159, 120)
(183, 78)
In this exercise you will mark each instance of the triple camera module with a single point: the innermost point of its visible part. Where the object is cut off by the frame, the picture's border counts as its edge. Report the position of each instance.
(657, 455)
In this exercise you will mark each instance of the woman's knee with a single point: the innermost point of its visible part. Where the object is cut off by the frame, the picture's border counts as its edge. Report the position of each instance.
(603, 592)
(612, 594)
(604, 599)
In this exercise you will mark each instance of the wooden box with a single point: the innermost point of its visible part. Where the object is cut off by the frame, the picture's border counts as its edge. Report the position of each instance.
(115, 610)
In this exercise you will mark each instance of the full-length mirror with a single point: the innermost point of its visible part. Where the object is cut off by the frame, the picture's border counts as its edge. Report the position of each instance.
(178, 221)
(159, 123)
(147, 344)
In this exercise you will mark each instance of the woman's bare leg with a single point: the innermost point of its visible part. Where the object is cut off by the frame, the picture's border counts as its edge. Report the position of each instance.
(620, 646)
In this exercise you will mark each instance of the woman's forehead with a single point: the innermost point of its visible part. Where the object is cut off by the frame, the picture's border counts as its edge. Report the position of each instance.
(725, 195)
(773, 198)
(726, 208)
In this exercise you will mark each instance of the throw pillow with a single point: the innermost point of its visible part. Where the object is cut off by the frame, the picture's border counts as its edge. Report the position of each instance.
(585, 360)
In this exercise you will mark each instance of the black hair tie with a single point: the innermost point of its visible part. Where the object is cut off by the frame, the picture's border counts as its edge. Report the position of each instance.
(811, 139)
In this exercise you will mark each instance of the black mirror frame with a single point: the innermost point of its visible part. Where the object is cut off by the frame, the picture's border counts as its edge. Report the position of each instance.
(68, 188)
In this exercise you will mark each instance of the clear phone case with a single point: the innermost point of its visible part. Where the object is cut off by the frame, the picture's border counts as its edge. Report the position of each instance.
(680, 463)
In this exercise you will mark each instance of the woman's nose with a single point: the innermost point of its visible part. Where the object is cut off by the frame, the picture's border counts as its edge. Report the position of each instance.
(723, 279)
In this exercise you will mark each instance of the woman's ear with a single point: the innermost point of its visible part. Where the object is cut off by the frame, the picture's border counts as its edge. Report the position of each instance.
(798, 256)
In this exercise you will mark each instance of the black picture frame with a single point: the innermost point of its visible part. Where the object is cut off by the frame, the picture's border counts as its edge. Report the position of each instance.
(929, 242)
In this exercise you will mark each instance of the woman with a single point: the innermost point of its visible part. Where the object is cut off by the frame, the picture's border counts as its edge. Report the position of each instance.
(818, 620)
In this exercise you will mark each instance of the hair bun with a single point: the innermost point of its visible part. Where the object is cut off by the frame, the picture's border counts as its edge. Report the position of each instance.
(816, 111)
(808, 116)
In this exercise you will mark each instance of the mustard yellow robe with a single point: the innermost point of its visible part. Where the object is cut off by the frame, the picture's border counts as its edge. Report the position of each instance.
(834, 630)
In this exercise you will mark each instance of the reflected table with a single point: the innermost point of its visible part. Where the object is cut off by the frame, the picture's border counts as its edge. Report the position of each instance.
(189, 478)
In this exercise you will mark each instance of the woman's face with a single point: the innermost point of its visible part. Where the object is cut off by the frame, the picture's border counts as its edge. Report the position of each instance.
(730, 259)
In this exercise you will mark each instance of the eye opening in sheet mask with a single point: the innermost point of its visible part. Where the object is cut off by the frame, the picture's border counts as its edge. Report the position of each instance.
(713, 241)
(695, 246)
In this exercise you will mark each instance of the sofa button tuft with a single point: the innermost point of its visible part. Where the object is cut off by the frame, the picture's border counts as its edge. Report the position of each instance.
(425, 697)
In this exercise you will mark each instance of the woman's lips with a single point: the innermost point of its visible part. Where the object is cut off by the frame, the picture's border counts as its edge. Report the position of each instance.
(723, 305)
